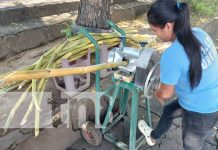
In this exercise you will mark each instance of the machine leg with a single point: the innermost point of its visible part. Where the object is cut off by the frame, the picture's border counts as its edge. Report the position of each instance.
(111, 105)
(124, 101)
(121, 94)
(97, 110)
(147, 101)
(133, 120)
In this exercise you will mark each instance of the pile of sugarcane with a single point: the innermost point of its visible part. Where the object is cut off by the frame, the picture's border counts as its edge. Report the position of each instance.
(38, 73)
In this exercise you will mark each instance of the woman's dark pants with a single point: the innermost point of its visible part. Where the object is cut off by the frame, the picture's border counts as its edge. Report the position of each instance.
(195, 125)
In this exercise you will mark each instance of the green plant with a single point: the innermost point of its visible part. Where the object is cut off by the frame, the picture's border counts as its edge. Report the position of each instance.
(68, 31)
(204, 8)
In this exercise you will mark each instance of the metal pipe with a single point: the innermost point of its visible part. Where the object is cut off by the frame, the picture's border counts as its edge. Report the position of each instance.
(97, 56)
(97, 75)
(123, 34)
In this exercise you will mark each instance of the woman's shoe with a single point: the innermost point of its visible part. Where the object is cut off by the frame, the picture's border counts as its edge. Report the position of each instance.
(146, 130)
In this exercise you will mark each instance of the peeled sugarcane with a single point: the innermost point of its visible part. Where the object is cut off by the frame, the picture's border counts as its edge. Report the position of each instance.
(48, 73)
(35, 100)
(42, 84)
(41, 87)
(16, 106)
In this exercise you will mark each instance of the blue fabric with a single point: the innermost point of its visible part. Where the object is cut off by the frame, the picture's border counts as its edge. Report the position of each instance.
(174, 66)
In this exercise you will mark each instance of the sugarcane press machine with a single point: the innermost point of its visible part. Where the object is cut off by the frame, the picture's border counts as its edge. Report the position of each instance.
(141, 75)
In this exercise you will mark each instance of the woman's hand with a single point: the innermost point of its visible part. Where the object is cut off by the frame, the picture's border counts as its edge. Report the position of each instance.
(164, 92)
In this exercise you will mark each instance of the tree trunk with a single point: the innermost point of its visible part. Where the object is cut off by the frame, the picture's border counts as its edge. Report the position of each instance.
(94, 13)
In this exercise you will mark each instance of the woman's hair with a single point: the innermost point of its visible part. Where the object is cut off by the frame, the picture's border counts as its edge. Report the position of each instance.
(164, 11)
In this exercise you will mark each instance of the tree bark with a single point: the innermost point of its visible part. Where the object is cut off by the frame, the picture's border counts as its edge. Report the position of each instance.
(94, 13)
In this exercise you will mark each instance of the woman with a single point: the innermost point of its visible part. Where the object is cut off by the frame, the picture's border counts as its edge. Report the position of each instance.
(190, 66)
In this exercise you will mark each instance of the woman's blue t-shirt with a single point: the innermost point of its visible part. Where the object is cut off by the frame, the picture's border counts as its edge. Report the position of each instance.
(174, 67)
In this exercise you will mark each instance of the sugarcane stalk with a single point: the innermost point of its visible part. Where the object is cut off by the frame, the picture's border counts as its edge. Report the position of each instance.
(110, 35)
(41, 88)
(7, 89)
(76, 37)
(85, 47)
(132, 31)
(24, 120)
(82, 53)
(77, 53)
(84, 41)
(34, 91)
(77, 47)
(30, 67)
(42, 83)
(72, 45)
(22, 84)
(47, 73)
(30, 108)
(16, 106)
(72, 57)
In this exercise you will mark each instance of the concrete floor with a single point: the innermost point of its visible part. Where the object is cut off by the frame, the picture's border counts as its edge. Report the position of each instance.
(12, 3)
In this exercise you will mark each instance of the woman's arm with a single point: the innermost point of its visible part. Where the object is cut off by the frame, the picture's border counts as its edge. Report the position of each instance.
(164, 92)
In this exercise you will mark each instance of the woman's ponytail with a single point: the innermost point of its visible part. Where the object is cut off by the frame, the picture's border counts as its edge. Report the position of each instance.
(191, 45)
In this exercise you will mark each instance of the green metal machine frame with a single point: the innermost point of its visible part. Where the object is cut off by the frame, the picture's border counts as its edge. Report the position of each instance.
(121, 91)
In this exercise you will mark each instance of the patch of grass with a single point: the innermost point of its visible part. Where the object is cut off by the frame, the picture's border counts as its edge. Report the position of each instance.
(204, 8)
